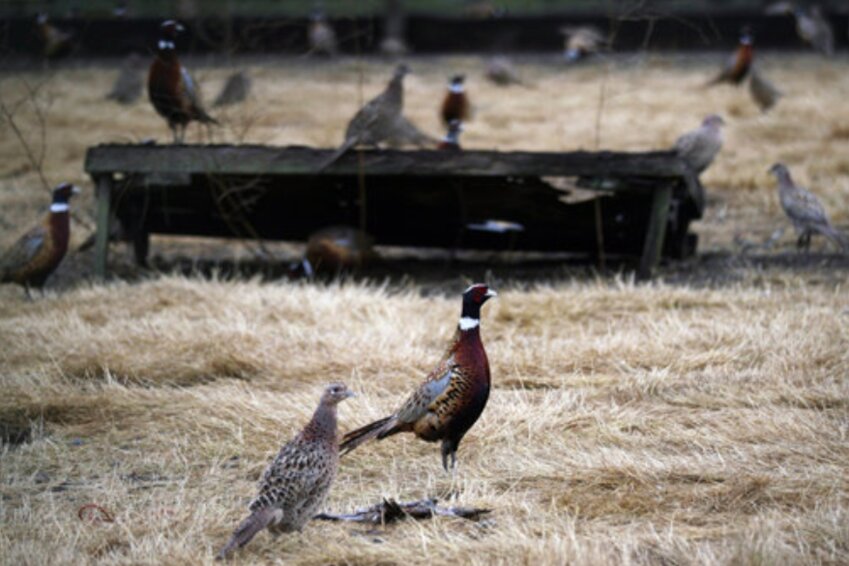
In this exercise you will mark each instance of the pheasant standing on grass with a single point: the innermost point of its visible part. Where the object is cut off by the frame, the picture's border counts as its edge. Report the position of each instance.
(450, 400)
(321, 35)
(170, 87)
(581, 42)
(129, 84)
(451, 141)
(455, 105)
(737, 67)
(699, 147)
(298, 480)
(55, 43)
(374, 122)
(815, 29)
(764, 93)
(31, 260)
(235, 89)
(805, 210)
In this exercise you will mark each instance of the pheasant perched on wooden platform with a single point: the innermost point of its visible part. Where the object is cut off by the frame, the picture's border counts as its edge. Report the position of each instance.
(738, 65)
(455, 105)
(170, 87)
(298, 480)
(374, 122)
(37, 254)
(451, 141)
(699, 147)
(805, 210)
(450, 400)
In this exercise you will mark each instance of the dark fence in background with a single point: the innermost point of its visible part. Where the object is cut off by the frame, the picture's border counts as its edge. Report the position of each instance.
(424, 34)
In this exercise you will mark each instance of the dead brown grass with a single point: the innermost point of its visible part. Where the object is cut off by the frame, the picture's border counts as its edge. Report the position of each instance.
(637, 424)
(628, 424)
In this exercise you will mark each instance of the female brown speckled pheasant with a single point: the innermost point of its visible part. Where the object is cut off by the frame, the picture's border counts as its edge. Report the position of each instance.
(297, 481)
(452, 397)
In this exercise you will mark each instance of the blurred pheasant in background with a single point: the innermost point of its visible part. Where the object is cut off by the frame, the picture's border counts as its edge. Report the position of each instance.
(235, 90)
(764, 93)
(55, 43)
(375, 122)
(738, 65)
(129, 83)
(337, 248)
(451, 141)
(297, 481)
(321, 36)
(805, 211)
(450, 400)
(581, 42)
(170, 87)
(37, 254)
(501, 71)
(699, 147)
(815, 29)
(455, 104)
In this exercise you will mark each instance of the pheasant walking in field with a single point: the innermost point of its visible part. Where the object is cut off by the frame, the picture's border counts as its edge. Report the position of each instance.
(55, 43)
(451, 141)
(298, 480)
(455, 105)
(699, 147)
(764, 93)
(37, 254)
(815, 29)
(805, 210)
(375, 122)
(170, 87)
(737, 67)
(450, 400)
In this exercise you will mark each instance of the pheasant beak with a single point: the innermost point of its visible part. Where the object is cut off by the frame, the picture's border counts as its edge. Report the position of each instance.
(349, 394)
(75, 190)
(490, 294)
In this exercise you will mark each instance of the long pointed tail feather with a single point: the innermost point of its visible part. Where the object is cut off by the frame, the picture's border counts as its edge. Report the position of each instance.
(348, 144)
(363, 434)
(840, 239)
(246, 530)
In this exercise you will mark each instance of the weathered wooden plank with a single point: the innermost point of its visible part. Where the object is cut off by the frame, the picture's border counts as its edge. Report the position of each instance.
(268, 160)
(656, 231)
(101, 247)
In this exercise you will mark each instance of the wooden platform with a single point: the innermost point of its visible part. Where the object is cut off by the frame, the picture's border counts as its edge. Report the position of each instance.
(403, 198)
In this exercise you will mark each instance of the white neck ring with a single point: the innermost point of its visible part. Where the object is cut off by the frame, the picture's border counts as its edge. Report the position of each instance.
(468, 323)
(59, 207)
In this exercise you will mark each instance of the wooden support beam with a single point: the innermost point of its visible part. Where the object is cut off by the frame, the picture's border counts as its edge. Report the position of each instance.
(269, 160)
(101, 246)
(656, 233)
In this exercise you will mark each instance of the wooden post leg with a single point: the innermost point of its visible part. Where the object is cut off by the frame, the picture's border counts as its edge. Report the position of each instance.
(101, 244)
(656, 232)
(141, 245)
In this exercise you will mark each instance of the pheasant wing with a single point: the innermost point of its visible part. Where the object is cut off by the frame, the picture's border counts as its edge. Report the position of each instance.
(23, 251)
(428, 392)
(805, 207)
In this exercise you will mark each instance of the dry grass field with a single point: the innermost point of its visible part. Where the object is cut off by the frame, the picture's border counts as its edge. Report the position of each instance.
(628, 424)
